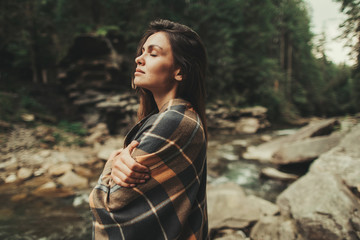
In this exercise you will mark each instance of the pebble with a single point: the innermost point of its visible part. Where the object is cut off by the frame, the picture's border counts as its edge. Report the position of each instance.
(60, 169)
(24, 173)
(11, 178)
(45, 153)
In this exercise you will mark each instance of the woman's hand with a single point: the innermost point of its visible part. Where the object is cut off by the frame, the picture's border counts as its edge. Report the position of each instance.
(126, 171)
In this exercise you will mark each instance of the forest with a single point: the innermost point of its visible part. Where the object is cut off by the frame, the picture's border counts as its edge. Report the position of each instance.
(282, 151)
(260, 52)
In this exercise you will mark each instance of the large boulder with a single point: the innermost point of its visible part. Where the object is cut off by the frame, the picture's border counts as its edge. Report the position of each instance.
(265, 151)
(72, 180)
(322, 207)
(275, 227)
(305, 150)
(229, 207)
(343, 160)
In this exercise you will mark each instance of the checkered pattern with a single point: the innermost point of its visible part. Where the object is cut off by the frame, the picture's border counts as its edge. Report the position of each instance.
(172, 204)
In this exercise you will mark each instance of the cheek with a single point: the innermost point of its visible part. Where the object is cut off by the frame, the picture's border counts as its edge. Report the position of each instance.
(164, 70)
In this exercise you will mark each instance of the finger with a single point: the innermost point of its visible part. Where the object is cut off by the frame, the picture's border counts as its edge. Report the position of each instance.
(115, 153)
(131, 174)
(133, 165)
(132, 145)
(130, 162)
(122, 167)
(121, 183)
(125, 179)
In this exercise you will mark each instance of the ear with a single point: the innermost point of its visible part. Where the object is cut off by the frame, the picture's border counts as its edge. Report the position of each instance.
(178, 75)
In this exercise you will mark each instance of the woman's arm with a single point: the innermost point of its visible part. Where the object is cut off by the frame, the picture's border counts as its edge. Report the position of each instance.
(126, 171)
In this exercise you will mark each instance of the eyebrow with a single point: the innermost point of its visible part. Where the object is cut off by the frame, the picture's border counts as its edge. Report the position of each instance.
(152, 46)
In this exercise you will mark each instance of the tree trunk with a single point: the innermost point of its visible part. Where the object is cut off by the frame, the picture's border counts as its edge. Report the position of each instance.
(289, 69)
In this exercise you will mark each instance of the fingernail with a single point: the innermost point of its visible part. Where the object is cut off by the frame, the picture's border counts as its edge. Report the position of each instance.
(132, 185)
(147, 177)
(142, 181)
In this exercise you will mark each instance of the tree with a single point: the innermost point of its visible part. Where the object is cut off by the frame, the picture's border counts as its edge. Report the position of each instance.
(351, 30)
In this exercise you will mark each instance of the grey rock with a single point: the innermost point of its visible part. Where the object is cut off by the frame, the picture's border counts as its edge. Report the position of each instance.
(60, 169)
(24, 173)
(323, 207)
(229, 207)
(305, 150)
(343, 160)
(11, 178)
(276, 174)
(265, 151)
(71, 179)
(275, 227)
(247, 125)
(230, 234)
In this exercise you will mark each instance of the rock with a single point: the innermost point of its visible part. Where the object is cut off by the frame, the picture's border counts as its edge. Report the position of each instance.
(224, 202)
(5, 125)
(275, 227)
(18, 197)
(49, 139)
(110, 145)
(71, 179)
(322, 207)
(72, 156)
(228, 207)
(230, 234)
(45, 153)
(50, 190)
(20, 138)
(256, 111)
(305, 150)
(247, 125)
(81, 199)
(36, 182)
(265, 151)
(105, 153)
(82, 171)
(276, 174)
(24, 173)
(60, 169)
(28, 117)
(98, 134)
(11, 178)
(42, 131)
(10, 164)
(265, 138)
(240, 143)
(48, 185)
(343, 160)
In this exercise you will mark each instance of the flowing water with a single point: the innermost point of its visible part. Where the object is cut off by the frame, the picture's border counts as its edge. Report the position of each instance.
(70, 218)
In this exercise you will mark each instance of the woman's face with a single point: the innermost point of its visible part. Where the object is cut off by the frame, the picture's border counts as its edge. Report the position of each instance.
(155, 68)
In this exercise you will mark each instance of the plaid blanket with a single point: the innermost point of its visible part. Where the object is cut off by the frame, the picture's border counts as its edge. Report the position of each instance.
(172, 204)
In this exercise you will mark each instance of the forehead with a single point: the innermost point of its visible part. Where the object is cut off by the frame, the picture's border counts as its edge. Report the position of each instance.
(160, 39)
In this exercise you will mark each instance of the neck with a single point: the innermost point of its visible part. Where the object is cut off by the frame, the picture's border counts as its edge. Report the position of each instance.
(162, 98)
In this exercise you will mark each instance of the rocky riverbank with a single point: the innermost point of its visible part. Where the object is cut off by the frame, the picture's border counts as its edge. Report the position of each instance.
(322, 204)
(33, 166)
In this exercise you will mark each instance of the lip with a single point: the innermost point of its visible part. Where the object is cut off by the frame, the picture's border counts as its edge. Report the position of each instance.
(138, 70)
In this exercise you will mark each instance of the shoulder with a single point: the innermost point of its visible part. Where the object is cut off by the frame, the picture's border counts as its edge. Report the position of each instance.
(179, 116)
(180, 120)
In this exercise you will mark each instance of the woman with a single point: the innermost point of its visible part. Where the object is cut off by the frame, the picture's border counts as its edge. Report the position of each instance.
(155, 188)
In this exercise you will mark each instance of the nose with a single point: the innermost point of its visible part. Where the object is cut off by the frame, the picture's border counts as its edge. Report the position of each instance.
(139, 60)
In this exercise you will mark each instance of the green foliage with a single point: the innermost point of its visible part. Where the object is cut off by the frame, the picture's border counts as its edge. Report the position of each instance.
(72, 127)
(13, 105)
(260, 51)
(8, 107)
(66, 139)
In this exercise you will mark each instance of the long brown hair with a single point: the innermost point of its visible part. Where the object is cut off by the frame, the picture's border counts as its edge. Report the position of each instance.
(190, 55)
